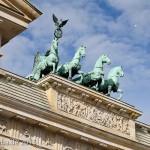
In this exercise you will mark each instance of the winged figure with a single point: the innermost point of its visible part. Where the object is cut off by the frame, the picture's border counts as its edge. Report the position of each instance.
(37, 59)
(59, 22)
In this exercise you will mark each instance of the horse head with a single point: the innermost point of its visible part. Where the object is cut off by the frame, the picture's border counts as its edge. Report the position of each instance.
(105, 59)
(120, 71)
(81, 51)
(116, 72)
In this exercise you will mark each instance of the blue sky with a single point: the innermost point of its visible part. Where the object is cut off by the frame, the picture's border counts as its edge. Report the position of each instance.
(117, 28)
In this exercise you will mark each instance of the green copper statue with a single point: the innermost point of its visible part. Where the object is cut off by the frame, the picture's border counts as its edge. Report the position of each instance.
(95, 77)
(45, 64)
(69, 69)
(112, 82)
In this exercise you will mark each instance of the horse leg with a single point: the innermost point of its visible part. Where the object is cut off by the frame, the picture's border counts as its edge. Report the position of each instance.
(70, 73)
(58, 71)
(109, 90)
(81, 74)
(103, 81)
(121, 93)
(96, 86)
(54, 69)
(80, 79)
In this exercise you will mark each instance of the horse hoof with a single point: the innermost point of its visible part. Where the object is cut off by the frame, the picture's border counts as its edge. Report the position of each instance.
(107, 94)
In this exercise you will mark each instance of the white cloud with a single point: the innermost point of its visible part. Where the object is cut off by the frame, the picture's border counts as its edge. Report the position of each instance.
(18, 58)
(101, 34)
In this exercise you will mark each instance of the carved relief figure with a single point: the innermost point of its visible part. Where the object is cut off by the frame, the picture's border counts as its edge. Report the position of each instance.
(3, 127)
(125, 127)
(26, 133)
(92, 113)
(68, 144)
(49, 140)
(82, 110)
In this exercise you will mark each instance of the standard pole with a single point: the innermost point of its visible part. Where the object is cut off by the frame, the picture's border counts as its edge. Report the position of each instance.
(1, 54)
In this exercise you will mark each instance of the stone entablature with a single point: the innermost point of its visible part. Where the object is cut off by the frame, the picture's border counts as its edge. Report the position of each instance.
(94, 114)
(16, 134)
(71, 88)
(84, 93)
(76, 117)
(15, 16)
(85, 105)
(79, 91)
(82, 104)
(142, 133)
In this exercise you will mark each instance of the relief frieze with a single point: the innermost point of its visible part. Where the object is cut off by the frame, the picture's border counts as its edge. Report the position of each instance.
(23, 134)
(92, 113)
(26, 133)
(49, 140)
(4, 126)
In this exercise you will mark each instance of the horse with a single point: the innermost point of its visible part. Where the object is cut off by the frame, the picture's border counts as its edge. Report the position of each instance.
(45, 64)
(69, 69)
(112, 82)
(95, 77)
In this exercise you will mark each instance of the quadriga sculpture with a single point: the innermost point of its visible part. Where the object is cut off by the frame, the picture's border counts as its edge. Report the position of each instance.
(45, 64)
(95, 77)
(69, 69)
(112, 83)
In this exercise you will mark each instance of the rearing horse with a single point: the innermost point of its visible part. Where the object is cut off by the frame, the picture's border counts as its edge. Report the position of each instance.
(112, 83)
(45, 64)
(95, 77)
(69, 69)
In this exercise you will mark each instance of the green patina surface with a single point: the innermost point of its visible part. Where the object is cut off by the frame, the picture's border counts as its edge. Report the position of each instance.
(69, 69)
(112, 82)
(95, 77)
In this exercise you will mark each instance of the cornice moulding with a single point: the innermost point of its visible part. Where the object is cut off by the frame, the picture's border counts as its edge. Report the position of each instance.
(62, 84)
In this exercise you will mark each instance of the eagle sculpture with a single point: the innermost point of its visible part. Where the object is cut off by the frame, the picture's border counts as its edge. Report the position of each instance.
(59, 22)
